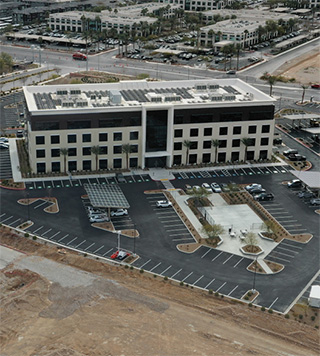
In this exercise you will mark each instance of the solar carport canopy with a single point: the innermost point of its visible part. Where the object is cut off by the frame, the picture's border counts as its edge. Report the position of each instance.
(311, 179)
(106, 196)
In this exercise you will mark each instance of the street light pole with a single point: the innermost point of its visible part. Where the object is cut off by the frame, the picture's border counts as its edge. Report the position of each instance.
(28, 206)
(254, 276)
(119, 232)
(134, 240)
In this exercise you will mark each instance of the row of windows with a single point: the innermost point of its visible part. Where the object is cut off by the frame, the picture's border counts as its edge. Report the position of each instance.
(72, 138)
(86, 165)
(208, 157)
(86, 151)
(222, 144)
(237, 130)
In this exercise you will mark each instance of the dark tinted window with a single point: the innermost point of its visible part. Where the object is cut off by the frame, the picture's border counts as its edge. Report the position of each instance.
(86, 137)
(43, 126)
(265, 129)
(236, 143)
(103, 150)
(117, 149)
(134, 135)
(207, 131)
(40, 140)
(72, 138)
(222, 143)
(55, 139)
(41, 167)
(264, 141)
(72, 151)
(223, 131)
(177, 146)
(252, 129)
(79, 124)
(117, 163)
(86, 151)
(117, 136)
(178, 133)
(86, 165)
(206, 144)
(41, 153)
(237, 130)
(194, 132)
(103, 137)
(55, 152)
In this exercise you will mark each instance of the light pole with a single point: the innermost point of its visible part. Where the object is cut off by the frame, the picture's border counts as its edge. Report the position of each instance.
(254, 277)
(28, 206)
(119, 233)
(134, 240)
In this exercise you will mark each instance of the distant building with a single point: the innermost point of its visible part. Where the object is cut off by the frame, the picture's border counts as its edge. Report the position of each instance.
(195, 5)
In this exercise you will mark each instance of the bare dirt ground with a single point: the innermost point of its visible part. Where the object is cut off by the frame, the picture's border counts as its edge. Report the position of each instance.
(305, 69)
(70, 305)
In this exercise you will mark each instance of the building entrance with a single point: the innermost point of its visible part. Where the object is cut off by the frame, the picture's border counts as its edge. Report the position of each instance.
(156, 162)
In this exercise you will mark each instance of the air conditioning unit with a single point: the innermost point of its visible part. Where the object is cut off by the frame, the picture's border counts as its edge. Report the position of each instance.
(216, 97)
(229, 97)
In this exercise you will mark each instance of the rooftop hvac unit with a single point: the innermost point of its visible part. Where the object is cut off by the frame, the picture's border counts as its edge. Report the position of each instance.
(62, 92)
(154, 97)
(172, 98)
(115, 97)
(67, 104)
(229, 97)
(213, 86)
(75, 92)
(81, 103)
(93, 96)
(201, 87)
(216, 98)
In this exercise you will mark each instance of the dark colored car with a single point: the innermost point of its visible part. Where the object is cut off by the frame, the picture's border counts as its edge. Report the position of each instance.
(264, 197)
(290, 152)
(297, 157)
(296, 183)
(315, 86)
(306, 195)
(256, 191)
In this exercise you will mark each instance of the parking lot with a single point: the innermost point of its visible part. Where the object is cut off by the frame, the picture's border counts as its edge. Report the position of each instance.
(5, 164)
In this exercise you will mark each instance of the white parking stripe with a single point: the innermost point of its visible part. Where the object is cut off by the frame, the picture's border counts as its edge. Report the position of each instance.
(161, 274)
(180, 234)
(209, 283)
(238, 262)
(172, 225)
(283, 243)
(233, 289)
(286, 221)
(176, 272)
(197, 280)
(182, 229)
(286, 249)
(155, 267)
(57, 233)
(206, 252)
(217, 290)
(270, 306)
(281, 253)
(37, 229)
(36, 207)
(187, 276)
(278, 258)
(63, 237)
(217, 256)
(290, 230)
(2, 215)
(7, 219)
(145, 263)
(107, 251)
(46, 232)
(71, 241)
(98, 249)
(227, 259)
(15, 221)
(184, 239)
(89, 246)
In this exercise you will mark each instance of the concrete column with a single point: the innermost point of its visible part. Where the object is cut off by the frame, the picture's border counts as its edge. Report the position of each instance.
(170, 135)
(144, 135)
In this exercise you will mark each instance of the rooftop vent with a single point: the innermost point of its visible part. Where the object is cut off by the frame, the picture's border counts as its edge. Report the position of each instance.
(67, 104)
(75, 92)
(115, 96)
(62, 92)
(201, 87)
(216, 98)
(213, 86)
(172, 97)
(229, 97)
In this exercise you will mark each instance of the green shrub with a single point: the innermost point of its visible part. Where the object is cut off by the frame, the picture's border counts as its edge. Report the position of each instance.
(287, 316)
(210, 291)
(270, 311)
(126, 266)
(313, 318)
(246, 297)
(249, 294)
(317, 326)
(141, 271)
(155, 276)
(216, 294)
(85, 255)
(300, 316)
(181, 283)
(222, 296)
(26, 235)
(263, 308)
(187, 285)
(131, 267)
(250, 305)
(34, 237)
(165, 278)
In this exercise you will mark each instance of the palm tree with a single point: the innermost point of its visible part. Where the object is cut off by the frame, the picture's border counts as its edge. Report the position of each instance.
(215, 144)
(304, 87)
(64, 152)
(246, 141)
(271, 79)
(238, 50)
(187, 144)
(126, 149)
(96, 151)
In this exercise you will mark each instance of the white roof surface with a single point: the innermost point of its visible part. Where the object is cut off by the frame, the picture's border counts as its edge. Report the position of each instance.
(315, 292)
(311, 179)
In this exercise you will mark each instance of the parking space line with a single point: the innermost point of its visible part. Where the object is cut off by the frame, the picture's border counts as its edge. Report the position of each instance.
(286, 249)
(63, 237)
(270, 306)
(34, 185)
(180, 234)
(62, 184)
(238, 262)
(176, 273)
(37, 230)
(145, 263)
(2, 215)
(206, 253)
(209, 283)
(107, 252)
(245, 173)
(184, 239)
(268, 169)
(173, 225)
(197, 280)
(71, 241)
(233, 289)
(46, 232)
(57, 233)
(81, 243)
(287, 221)
(281, 253)
(15, 221)
(89, 246)
(283, 243)
(290, 230)
(227, 259)
(155, 267)
(7, 219)
(182, 229)
(292, 225)
(187, 276)
(161, 274)
(98, 249)
(278, 258)
(36, 207)
(217, 290)
(217, 256)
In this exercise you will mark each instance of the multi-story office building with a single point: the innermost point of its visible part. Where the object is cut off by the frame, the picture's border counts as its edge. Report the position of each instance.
(158, 119)
(195, 5)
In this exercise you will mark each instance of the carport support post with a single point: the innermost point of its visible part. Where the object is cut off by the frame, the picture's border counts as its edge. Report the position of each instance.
(119, 233)
(254, 276)
(28, 206)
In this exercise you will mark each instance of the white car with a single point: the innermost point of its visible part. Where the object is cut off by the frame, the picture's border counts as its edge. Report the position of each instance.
(94, 211)
(196, 188)
(4, 145)
(207, 187)
(216, 187)
(4, 140)
(253, 186)
(98, 218)
(163, 203)
(119, 212)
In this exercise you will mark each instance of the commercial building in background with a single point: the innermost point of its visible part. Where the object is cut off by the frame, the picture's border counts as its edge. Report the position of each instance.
(165, 123)
(194, 5)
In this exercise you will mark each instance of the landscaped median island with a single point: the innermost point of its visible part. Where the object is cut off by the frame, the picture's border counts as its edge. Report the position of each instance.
(10, 184)
(53, 208)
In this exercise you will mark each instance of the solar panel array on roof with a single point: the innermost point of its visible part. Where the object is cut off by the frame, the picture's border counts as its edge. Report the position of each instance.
(105, 196)
(44, 101)
(97, 93)
(231, 90)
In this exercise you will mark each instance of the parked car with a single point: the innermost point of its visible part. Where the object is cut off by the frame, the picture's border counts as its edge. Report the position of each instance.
(196, 188)
(256, 191)
(4, 140)
(19, 134)
(98, 218)
(216, 187)
(315, 201)
(163, 204)
(306, 195)
(253, 186)
(290, 152)
(231, 72)
(4, 146)
(315, 86)
(207, 188)
(187, 187)
(115, 255)
(295, 183)
(297, 157)
(94, 211)
(264, 197)
(119, 212)
(224, 187)
(122, 255)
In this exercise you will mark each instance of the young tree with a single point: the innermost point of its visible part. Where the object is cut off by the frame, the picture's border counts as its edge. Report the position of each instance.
(304, 87)
(187, 144)
(215, 144)
(246, 141)
(64, 152)
(126, 149)
(96, 151)
(250, 240)
(213, 231)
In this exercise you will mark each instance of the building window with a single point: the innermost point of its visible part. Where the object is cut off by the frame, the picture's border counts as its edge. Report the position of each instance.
(55, 139)
(72, 152)
(222, 143)
(72, 138)
(235, 156)
(86, 137)
(264, 141)
(194, 145)
(265, 129)
(252, 142)
(134, 148)
(178, 133)
(192, 158)
(206, 144)
(103, 164)
(40, 140)
(177, 146)
(221, 157)
(236, 143)
(41, 153)
(41, 167)
(252, 129)
(103, 150)
(86, 151)
(134, 135)
(237, 130)
(177, 159)
(223, 131)
(206, 157)
(86, 165)
(78, 125)
(117, 149)
(55, 152)
(263, 154)
(133, 162)
(194, 132)
(55, 167)
(72, 166)
(250, 155)
(117, 163)
(117, 136)
(207, 131)
(103, 137)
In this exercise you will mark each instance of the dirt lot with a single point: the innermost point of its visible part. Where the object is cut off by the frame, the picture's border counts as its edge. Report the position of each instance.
(68, 305)
(305, 69)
